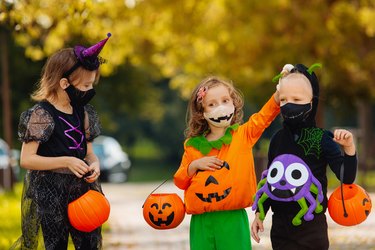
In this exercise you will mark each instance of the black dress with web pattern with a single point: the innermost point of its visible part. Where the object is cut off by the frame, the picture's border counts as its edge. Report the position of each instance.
(46, 194)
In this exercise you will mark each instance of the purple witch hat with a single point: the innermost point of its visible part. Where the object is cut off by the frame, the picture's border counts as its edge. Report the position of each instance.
(88, 58)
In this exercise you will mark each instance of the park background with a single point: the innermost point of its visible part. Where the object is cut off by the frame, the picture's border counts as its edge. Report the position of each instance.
(158, 52)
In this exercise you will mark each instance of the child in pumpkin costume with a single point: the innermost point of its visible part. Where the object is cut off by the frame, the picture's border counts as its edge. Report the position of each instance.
(217, 167)
(295, 183)
(57, 152)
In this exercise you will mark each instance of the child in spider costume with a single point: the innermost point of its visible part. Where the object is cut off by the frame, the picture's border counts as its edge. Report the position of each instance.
(217, 168)
(295, 183)
(57, 151)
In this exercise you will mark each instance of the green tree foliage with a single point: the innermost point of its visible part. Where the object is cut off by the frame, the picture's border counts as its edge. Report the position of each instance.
(246, 41)
(184, 41)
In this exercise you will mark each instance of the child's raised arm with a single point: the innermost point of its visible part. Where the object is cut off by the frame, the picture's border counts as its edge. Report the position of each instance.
(259, 121)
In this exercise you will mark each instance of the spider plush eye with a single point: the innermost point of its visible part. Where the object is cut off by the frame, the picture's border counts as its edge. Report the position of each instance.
(275, 172)
(296, 174)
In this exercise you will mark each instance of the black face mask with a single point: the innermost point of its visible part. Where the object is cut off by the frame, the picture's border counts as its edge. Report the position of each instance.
(78, 97)
(295, 114)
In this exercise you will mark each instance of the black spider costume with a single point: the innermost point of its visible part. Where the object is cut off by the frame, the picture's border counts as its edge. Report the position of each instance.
(315, 147)
(47, 193)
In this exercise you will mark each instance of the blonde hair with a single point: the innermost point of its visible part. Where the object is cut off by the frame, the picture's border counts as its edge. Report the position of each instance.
(287, 75)
(53, 71)
(196, 124)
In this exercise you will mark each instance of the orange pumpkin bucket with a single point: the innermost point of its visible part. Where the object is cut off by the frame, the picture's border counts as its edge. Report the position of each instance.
(89, 211)
(349, 207)
(163, 210)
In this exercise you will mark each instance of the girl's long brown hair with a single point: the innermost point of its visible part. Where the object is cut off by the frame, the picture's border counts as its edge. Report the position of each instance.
(196, 124)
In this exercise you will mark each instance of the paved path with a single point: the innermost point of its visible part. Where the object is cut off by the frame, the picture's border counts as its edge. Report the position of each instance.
(128, 230)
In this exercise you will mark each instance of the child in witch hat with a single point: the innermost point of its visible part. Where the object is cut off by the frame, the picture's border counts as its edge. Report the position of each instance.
(56, 135)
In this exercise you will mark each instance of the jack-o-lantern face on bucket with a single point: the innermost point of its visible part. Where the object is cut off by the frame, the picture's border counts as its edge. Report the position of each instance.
(216, 187)
(163, 211)
(357, 204)
(164, 214)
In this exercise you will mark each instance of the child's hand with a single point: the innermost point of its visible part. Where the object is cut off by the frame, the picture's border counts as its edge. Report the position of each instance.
(77, 166)
(256, 226)
(94, 171)
(210, 163)
(344, 138)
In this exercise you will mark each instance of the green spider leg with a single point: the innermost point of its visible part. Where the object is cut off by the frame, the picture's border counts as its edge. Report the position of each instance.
(302, 202)
(260, 185)
(297, 219)
(262, 199)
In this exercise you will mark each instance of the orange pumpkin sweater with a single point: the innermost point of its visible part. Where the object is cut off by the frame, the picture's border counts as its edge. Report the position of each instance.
(233, 186)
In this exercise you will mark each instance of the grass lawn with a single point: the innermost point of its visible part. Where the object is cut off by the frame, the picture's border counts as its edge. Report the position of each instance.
(10, 216)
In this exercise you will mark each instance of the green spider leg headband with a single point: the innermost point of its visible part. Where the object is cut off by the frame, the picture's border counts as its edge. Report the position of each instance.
(289, 67)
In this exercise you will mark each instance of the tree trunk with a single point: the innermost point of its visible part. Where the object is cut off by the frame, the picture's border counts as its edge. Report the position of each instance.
(365, 138)
(7, 179)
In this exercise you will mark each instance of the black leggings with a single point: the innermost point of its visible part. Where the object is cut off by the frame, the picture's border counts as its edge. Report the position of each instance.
(309, 235)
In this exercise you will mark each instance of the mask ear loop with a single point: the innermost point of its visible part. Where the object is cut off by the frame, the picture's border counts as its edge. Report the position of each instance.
(308, 112)
(69, 83)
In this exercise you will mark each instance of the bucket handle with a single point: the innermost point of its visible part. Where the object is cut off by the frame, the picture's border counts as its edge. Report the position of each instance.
(155, 190)
(342, 189)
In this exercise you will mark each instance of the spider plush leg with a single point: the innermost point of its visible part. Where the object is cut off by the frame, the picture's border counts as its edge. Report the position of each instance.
(262, 199)
(297, 219)
(257, 194)
(261, 183)
(319, 191)
(264, 174)
(314, 189)
(309, 214)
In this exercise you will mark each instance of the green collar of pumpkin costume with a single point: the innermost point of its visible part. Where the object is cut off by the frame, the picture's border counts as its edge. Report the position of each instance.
(204, 146)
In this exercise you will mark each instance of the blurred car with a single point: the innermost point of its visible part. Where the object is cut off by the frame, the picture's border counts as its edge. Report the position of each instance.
(7, 177)
(15, 163)
(114, 162)
(4, 155)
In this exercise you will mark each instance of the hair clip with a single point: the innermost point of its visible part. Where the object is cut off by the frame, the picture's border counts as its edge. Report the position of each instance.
(201, 93)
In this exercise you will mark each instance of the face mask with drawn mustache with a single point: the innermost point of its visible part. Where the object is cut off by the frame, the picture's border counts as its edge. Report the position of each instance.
(221, 116)
(295, 114)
